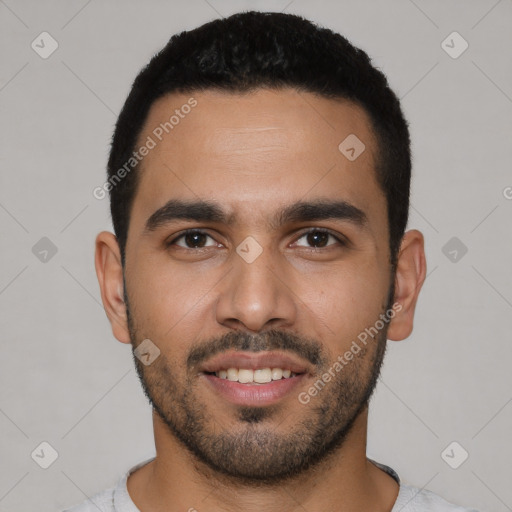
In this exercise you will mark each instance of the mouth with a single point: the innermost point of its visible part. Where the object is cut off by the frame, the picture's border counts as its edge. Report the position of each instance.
(258, 376)
(253, 378)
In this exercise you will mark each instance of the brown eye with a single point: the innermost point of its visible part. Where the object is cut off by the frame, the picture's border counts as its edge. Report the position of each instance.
(319, 238)
(192, 239)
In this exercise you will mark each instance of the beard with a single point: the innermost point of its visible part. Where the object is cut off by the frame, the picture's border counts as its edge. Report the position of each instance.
(252, 450)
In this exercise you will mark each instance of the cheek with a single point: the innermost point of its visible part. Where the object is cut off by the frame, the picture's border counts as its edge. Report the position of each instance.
(168, 299)
(343, 304)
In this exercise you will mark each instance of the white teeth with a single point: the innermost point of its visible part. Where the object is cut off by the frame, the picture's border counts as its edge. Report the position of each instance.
(245, 376)
(277, 373)
(260, 376)
(232, 374)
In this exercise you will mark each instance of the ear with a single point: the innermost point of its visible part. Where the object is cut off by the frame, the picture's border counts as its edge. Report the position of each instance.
(410, 275)
(110, 277)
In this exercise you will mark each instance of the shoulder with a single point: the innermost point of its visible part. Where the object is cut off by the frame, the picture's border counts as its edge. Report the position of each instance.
(412, 499)
(113, 499)
(102, 501)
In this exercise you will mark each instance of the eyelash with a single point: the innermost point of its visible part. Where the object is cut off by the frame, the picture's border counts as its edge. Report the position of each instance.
(339, 239)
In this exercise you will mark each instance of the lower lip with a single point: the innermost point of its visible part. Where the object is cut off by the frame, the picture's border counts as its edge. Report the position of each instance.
(254, 394)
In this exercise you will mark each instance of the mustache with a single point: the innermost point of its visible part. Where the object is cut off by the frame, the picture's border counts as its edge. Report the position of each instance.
(273, 339)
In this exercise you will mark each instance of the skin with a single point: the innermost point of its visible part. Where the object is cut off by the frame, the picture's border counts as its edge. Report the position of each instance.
(252, 154)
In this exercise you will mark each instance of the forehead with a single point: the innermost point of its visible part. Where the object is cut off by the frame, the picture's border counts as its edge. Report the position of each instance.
(254, 152)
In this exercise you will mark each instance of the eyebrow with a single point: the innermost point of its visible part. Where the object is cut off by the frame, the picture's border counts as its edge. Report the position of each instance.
(301, 211)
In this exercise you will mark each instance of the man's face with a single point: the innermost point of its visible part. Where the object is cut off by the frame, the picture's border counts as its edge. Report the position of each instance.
(256, 290)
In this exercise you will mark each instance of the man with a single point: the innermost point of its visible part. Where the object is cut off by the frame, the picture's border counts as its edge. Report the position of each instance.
(259, 181)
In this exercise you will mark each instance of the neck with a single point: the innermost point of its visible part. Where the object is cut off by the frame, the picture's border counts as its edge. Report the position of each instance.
(344, 481)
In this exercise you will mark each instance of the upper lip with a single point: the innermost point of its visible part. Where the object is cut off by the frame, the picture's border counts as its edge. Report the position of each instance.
(254, 361)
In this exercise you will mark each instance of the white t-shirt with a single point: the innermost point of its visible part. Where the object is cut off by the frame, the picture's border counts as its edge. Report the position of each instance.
(410, 499)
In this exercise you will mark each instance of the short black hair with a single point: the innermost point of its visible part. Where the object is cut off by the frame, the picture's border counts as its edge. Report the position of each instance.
(251, 50)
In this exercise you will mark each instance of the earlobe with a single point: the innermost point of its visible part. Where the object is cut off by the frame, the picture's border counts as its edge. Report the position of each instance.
(410, 275)
(109, 271)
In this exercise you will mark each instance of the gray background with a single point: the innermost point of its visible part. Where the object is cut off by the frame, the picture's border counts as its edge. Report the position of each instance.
(66, 380)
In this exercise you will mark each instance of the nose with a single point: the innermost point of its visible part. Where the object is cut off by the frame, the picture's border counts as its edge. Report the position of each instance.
(257, 295)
